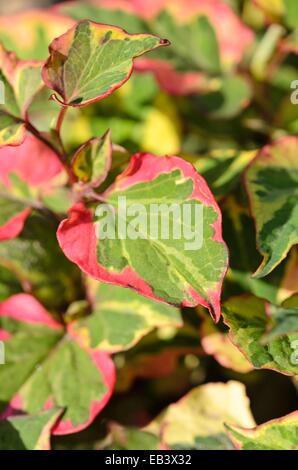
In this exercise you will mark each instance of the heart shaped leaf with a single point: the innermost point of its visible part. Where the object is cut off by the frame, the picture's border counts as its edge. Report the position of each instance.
(182, 262)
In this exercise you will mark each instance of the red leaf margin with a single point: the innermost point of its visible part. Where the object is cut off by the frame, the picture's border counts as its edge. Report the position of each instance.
(58, 46)
(25, 308)
(77, 238)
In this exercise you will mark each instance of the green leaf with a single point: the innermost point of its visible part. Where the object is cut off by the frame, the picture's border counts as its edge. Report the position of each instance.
(222, 169)
(194, 43)
(91, 60)
(13, 213)
(121, 317)
(239, 232)
(291, 13)
(9, 208)
(278, 434)
(20, 81)
(248, 322)
(92, 161)
(28, 432)
(126, 20)
(233, 95)
(196, 422)
(127, 438)
(168, 279)
(160, 254)
(44, 366)
(12, 131)
(272, 184)
(221, 347)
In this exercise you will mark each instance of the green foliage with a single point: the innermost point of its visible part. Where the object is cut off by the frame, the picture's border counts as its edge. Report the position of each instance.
(142, 330)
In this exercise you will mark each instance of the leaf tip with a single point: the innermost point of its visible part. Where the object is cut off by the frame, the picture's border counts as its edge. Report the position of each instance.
(164, 42)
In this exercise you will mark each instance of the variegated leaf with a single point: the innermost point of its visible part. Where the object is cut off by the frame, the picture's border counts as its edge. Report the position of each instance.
(248, 320)
(163, 267)
(120, 318)
(20, 81)
(92, 161)
(278, 434)
(45, 367)
(28, 432)
(272, 184)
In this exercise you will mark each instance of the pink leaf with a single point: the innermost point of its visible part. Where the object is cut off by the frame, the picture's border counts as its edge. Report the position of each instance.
(14, 226)
(25, 308)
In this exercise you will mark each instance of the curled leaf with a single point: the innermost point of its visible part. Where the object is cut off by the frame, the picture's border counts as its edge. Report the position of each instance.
(20, 81)
(272, 185)
(48, 368)
(92, 161)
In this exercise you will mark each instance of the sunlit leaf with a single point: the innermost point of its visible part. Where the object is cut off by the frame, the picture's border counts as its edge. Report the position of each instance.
(160, 267)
